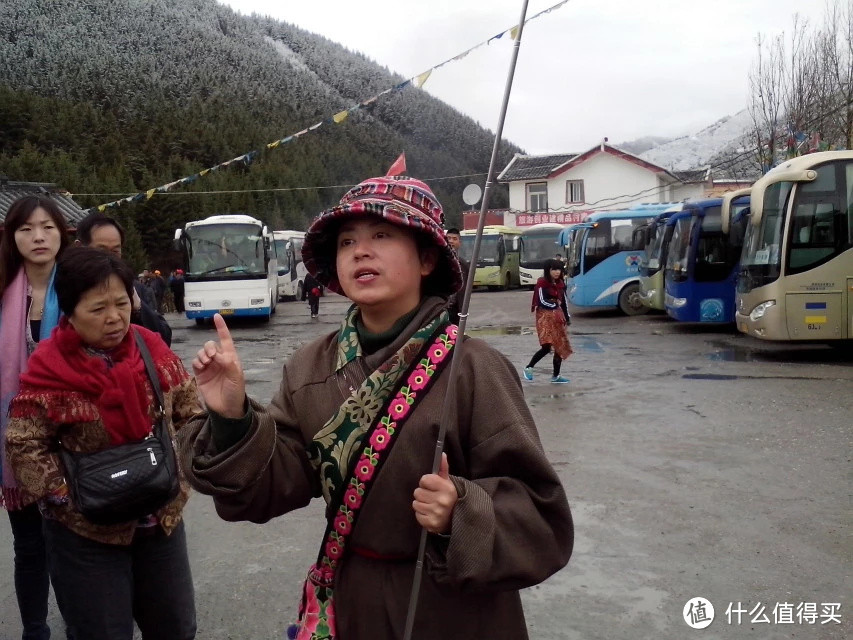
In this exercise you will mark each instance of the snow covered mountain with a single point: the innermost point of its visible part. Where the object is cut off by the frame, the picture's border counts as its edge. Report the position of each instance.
(721, 139)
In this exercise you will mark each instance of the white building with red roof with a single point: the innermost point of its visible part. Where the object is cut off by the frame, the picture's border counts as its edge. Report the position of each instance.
(564, 188)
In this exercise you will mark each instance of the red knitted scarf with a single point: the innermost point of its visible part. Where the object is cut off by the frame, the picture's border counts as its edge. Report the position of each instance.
(75, 386)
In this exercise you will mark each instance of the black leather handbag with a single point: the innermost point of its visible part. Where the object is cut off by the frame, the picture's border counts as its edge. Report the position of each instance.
(131, 480)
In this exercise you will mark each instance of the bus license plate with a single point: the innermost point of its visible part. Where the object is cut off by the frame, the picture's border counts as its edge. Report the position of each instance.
(226, 312)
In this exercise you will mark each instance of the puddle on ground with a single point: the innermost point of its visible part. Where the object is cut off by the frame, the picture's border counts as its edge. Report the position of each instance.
(586, 344)
(708, 376)
(786, 352)
(499, 331)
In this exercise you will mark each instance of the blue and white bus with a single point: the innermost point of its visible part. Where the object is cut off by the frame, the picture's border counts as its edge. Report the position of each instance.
(604, 258)
(230, 267)
(703, 260)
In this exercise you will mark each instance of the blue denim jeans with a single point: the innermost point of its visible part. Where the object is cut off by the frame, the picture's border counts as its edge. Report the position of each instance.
(32, 584)
(102, 588)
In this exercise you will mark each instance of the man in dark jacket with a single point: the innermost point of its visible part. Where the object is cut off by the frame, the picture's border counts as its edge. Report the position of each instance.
(454, 302)
(103, 232)
(177, 287)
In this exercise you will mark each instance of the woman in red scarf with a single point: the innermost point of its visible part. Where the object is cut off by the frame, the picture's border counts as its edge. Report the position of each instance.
(552, 320)
(87, 387)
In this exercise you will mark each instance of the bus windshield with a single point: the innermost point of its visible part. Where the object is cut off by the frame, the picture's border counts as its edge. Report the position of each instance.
(489, 249)
(679, 245)
(225, 249)
(281, 254)
(761, 259)
(712, 260)
(661, 241)
(539, 247)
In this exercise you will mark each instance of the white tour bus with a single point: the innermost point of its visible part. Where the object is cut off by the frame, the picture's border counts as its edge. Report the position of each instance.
(230, 267)
(291, 269)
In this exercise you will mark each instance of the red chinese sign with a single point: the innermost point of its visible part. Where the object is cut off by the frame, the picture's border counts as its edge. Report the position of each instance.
(527, 219)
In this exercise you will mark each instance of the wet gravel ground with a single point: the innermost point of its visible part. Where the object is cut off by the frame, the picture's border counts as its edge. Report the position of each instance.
(697, 461)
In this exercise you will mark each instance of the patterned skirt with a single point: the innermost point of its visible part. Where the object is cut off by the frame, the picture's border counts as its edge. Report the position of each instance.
(551, 328)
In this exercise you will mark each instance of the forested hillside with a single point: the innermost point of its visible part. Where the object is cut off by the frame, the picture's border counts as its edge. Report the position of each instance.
(119, 96)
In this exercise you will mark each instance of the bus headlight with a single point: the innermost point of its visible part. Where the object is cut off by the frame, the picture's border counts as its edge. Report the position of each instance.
(758, 312)
(256, 301)
(194, 304)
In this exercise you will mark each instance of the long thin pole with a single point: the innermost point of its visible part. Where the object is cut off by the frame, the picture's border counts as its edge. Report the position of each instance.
(450, 399)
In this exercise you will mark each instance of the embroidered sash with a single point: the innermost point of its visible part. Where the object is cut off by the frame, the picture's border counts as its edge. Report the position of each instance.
(411, 380)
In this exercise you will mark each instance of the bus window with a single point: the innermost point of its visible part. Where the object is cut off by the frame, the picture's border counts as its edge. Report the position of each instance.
(621, 235)
(820, 225)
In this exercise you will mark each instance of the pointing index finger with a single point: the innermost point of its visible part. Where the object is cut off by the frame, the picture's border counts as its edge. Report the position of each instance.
(225, 339)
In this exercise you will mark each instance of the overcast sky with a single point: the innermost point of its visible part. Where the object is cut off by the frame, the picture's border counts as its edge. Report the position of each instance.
(593, 68)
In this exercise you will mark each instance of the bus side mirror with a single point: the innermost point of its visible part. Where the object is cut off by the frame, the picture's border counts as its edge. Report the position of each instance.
(177, 241)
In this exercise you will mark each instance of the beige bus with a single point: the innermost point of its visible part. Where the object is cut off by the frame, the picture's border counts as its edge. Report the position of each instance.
(796, 271)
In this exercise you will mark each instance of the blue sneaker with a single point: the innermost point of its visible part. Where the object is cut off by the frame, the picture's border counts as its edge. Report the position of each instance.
(528, 374)
(560, 380)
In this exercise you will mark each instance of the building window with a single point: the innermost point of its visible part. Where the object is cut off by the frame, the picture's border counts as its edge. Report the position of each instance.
(537, 196)
(574, 191)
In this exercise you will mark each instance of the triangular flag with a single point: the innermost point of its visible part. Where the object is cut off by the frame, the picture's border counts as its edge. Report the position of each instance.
(421, 79)
(340, 116)
(399, 166)
(513, 33)
(150, 193)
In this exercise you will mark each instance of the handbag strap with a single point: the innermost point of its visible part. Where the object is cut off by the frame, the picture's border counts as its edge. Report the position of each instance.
(149, 367)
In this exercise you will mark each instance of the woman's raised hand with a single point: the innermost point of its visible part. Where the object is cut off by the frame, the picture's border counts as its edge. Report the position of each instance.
(219, 374)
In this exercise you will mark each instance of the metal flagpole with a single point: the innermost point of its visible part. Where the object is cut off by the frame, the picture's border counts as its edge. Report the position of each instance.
(450, 398)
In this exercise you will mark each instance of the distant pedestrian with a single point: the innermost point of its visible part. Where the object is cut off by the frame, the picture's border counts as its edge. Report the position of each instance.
(454, 301)
(177, 286)
(158, 285)
(552, 320)
(312, 290)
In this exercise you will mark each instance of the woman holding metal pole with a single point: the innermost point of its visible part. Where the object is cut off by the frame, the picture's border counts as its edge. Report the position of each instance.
(355, 421)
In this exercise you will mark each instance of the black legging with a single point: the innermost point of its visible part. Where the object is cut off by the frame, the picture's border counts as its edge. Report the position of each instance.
(544, 351)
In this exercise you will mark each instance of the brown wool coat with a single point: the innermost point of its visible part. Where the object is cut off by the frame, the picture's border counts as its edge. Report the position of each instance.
(511, 527)
(31, 442)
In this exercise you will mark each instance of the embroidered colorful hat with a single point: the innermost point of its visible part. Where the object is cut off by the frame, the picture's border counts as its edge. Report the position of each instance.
(399, 200)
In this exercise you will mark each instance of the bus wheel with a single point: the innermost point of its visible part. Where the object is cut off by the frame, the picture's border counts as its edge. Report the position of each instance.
(629, 300)
(299, 291)
(199, 321)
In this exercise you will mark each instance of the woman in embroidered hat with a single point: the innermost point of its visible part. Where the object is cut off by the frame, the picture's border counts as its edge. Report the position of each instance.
(355, 421)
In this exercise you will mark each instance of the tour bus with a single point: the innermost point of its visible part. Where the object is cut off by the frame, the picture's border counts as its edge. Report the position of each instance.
(604, 258)
(702, 261)
(230, 267)
(291, 269)
(538, 244)
(497, 266)
(796, 270)
(656, 243)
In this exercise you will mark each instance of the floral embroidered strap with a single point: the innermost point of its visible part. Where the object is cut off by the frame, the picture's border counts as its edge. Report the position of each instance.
(317, 611)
